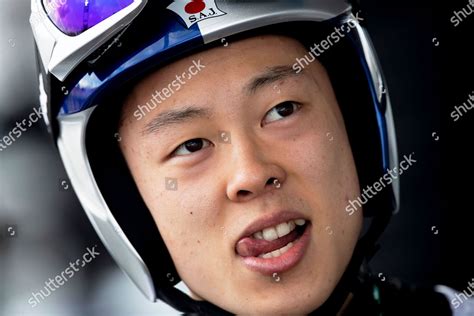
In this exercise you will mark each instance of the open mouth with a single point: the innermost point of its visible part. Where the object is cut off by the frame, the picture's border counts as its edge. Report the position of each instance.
(275, 248)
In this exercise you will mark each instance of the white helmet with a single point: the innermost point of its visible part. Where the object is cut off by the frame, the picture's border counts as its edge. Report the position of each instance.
(89, 51)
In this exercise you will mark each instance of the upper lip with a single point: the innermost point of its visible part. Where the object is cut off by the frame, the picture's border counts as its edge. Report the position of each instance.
(270, 220)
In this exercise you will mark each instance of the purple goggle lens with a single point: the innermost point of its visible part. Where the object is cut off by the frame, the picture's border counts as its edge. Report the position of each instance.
(73, 17)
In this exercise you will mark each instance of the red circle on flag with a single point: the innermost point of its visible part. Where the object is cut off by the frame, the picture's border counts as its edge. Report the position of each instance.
(195, 6)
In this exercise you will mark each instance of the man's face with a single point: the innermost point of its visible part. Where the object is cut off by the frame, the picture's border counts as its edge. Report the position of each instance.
(207, 177)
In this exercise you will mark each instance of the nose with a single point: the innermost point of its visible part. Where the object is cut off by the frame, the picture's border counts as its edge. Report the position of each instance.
(252, 173)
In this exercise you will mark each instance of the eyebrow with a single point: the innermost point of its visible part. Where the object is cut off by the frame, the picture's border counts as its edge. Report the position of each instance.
(189, 113)
(174, 117)
(271, 75)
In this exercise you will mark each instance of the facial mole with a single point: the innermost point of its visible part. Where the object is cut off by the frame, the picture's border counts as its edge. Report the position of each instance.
(191, 213)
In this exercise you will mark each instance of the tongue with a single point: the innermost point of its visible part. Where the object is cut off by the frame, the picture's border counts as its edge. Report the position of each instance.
(252, 247)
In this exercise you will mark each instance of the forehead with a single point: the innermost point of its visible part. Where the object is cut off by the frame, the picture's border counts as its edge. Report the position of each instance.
(234, 60)
(253, 50)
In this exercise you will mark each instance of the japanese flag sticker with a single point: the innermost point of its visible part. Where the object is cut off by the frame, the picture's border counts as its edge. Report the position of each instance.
(195, 11)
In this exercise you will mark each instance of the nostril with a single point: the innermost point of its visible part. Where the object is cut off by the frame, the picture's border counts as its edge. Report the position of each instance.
(271, 181)
(243, 193)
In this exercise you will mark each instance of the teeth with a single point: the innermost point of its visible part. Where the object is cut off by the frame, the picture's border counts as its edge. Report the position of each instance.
(279, 230)
(292, 225)
(300, 222)
(270, 234)
(283, 229)
(285, 249)
(276, 253)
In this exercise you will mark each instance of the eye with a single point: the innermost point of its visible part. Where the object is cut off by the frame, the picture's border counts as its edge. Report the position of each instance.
(191, 146)
(282, 110)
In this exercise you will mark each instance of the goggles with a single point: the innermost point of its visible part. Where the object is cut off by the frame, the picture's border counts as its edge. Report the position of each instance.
(67, 31)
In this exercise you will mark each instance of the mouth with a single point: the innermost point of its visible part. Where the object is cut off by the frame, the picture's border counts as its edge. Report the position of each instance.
(274, 244)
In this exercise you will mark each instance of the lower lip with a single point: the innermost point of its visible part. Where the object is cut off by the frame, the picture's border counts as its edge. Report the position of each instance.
(284, 262)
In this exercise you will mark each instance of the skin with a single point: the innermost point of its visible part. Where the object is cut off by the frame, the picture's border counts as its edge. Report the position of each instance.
(222, 187)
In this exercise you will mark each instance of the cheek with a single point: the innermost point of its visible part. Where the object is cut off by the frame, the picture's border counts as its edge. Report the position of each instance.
(323, 155)
(187, 219)
(194, 232)
(170, 206)
(327, 170)
(322, 162)
(181, 213)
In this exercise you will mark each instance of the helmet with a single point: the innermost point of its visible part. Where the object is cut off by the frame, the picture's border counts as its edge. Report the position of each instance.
(89, 53)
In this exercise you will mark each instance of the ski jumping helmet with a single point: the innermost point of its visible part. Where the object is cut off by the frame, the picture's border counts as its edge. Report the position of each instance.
(89, 52)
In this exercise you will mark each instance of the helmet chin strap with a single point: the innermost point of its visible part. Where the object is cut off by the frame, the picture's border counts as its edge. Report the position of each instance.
(365, 249)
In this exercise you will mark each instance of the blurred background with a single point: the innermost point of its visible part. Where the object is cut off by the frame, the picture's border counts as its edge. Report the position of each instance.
(43, 228)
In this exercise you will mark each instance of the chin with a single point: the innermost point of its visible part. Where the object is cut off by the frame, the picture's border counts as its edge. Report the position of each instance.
(294, 302)
(281, 309)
